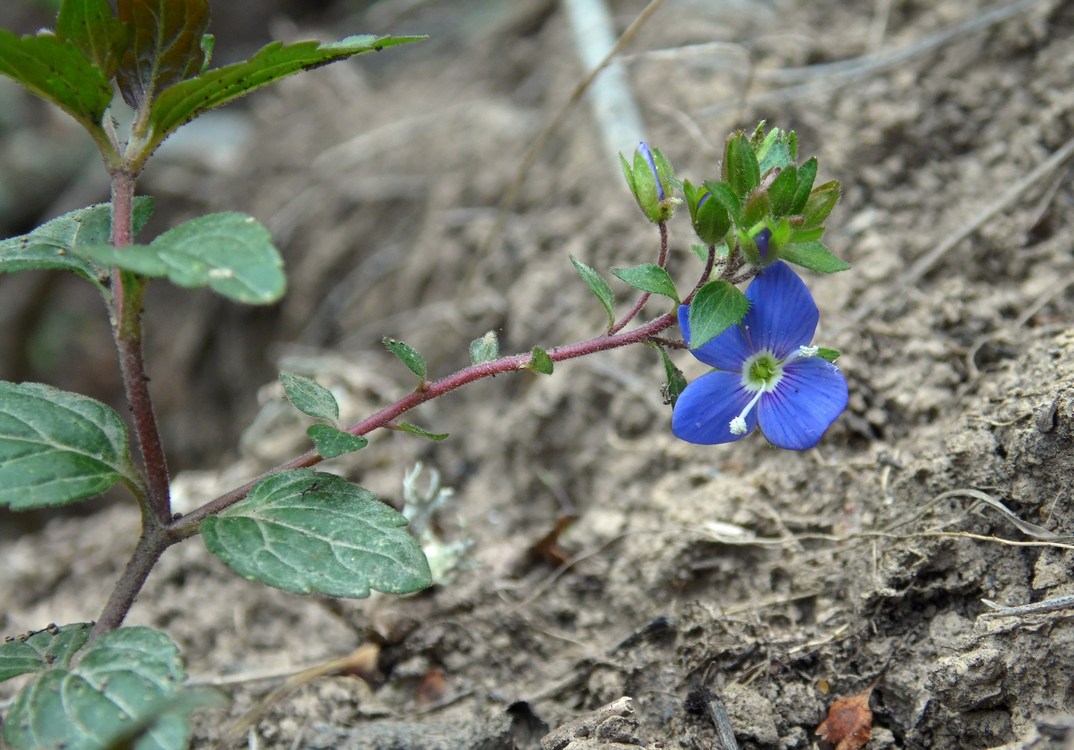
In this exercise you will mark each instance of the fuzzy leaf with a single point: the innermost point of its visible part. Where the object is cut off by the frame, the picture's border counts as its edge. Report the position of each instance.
(91, 26)
(598, 286)
(484, 349)
(231, 253)
(408, 355)
(184, 101)
(58, 72)
(648, 277)
(740, 168)
(716, 307)
(421, 432)
(122, 679)
(34, 652)
(813, 255)
(676, 381)
(309, 397)
(165, 46)
(309, 532)
(541, 362)
(332, 441)
(807, 173)
(57, 447)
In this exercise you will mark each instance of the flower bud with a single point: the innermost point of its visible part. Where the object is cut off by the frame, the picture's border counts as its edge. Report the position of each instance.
(650, 179)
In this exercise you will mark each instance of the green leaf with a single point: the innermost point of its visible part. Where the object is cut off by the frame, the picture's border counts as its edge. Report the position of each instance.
(309, 532)
(541, 363)
(782, 190)
(231, 253)
(165, 46)
(408, 355)
(648, 277)
(726, 197)
(332, 441)
(829, 354)
(421, 432)
(676, 382)
(309, 397)
(54, 245)
(184, 101)
(484, 349)
(807, 173)
(42, 649)
(821, 201)
(716, 307)
(740, 168)
(598, 286)
(57, 447)
(122, 679)
(93, 29)
(58, 72)
(813, 255)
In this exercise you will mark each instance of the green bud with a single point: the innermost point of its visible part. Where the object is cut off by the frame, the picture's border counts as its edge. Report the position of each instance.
(757, 246)
(709, 218)
(650, 179)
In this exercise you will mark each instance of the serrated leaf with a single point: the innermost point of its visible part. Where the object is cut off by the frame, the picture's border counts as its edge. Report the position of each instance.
(43, 649)
(813, 255)
(91, 26)
(309, 397)
(408, 355)
(309, 532)
(420, 432)
(648, 277)
(165, 46)
(58, 72)
(54, 245)
(484, 349)
(541, 362)
(332, 441)
(598, 286)
(184, 101)
(121, 679)
(231, 253)
(57, 447)
(716, 307)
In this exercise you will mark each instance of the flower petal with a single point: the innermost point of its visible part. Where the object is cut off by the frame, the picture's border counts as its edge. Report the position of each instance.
(706, 407)
(782, 314)
(807, 400)
(725, 352)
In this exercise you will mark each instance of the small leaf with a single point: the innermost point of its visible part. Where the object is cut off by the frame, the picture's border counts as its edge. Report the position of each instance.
(782, 190)
(849, 724)
(231, 253)
(58, 72)
(740, 168)
(54, 245)
(332, 441)
(165, 46)
(408, 355)
(676, 382)
(648, 277)
(813, 255)
(420, 432)
(598, 286)
(541, 363)
(821, 201)
(91, 26)
(716, 307)
(57, 447)
(184, 101)
(121, 679)
(807, 173)
(309, 532)
(40, 650)
(309, 397)
(484, 349)
(829, 354)
(726, 197)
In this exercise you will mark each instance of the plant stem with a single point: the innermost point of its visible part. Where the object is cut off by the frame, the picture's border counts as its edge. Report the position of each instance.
(151, 545)
(660, 261)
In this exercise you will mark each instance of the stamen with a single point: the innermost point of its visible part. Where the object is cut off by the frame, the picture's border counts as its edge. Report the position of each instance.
(738, 424)
(803, 352)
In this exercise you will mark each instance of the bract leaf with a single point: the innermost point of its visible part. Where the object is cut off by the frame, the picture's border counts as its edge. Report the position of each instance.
(165, 46)
(309, 532)
(541, 363)
(782, 190)
(184, 101)
(598, 286)
(408, 355)
(309, 397)
(332, 441)
(740, 168)
(648, 277)
(484, 349)
(121, 679)
(57, 447)
(813, 255)
(725, 195)
(807, 173)
(55, 245)
(40, 650)
(54, 70)
(231, 253)
(716, 307)
(676, 381)
(91, 26)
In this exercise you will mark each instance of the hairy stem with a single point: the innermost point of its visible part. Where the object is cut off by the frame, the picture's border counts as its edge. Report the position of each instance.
(151, 545)
(660, 261)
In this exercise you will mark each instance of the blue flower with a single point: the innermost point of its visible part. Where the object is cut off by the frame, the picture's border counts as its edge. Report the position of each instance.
(766, 372)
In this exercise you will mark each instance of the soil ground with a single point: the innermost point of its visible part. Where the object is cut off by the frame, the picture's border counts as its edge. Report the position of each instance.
(763, 581)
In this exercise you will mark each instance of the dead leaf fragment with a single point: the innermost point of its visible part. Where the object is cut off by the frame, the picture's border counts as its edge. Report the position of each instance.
(850, 722)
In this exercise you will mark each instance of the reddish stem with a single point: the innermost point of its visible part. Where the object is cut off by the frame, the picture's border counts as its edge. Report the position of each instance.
(660, 261)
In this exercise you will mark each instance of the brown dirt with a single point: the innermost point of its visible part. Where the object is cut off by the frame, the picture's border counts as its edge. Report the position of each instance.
(770, 580)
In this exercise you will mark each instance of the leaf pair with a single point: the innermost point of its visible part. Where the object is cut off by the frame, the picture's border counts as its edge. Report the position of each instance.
(314, 400)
